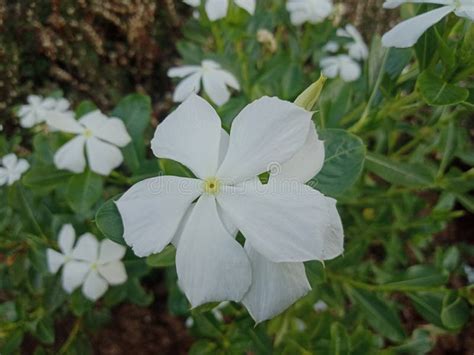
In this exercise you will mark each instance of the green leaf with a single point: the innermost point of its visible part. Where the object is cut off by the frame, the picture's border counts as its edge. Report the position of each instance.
(84, 108)
(83, 191)
(428, 305)
(45, 176)
(404, 174)
(451, 258)
(164, 259)
(382, 317)
(79, 303)
(45, 330)
(418, 276)
(436, 92)
(137, 294)
(340, 342)
(12, 342)
(345, 154)
(455, 312)
(109, 221)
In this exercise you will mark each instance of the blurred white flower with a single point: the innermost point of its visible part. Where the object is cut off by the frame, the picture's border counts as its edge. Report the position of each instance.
(215, 81)
(331, 47)
(285, 222)
(341, 65)
(217, 9)
(98, 134)
(90, 264)
(38, 109)
(312, 11)
(469, 271)
(407, 33)
(320, 306)
(12, 169)
(357, 49)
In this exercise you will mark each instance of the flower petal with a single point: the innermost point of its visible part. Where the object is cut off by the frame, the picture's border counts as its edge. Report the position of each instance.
(64, 122)
(407, 33)
(87, 248)
(152, 210)
(350, 69)
(216, 9)
(306, 163)
(103, 157)
(275, 286)
(94, 286)
(114, 272)
(284, 220)
(215, 87)
(110, 251)
(187, 87)
(21, 167)
(66, 239)
(265, 132)
(9, 161)
(111, 130)
(211, 265)
(185, 70)
(74, 273)
(3, 176)
(71, 155)
(55, 260)
(191, 135)
(391, 4)
(247, 5)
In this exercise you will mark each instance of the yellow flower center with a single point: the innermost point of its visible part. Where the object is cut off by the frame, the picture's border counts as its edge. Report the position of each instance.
(88, 133)
(212, 186)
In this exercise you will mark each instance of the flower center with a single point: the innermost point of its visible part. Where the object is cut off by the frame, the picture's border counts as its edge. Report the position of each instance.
(212, 185)
(88, 133)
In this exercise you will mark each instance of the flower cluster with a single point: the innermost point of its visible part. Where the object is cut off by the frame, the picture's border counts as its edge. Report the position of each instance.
(312, 11)
(39, 109)
(11, 169)
(284, 222)
(89, 263)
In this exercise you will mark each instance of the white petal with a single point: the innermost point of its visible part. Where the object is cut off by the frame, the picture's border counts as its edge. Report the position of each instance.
(114, 272)
(211, 265)
(266, 132)
(391, 4)
(350, 69)
(94, 286)
(407, 33)
(187, 87)
(247, 5)
(185, 70)
(191, 135)
(74, 273)
(9, 161)
(275, 286)
(28, 120)
(111, 130)
(103, 157)
(71, 155)
(3, 176)
(184, 221)
(87, 248)
(64, 122)
(110, 251)
(466, 10)
(61, 105)
(34, 99)
(215, 87)
(21, 167)
(284, 220)
(229, 79)
(66, 239)
(55, 260)
(216, 9)
(194, 3)
(306, 163)
(152, 210)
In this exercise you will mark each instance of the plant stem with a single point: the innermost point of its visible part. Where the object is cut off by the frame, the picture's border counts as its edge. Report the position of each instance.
(72, 336)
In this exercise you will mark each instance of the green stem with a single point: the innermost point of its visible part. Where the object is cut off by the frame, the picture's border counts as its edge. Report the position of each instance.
(72, 336)
(29, 212)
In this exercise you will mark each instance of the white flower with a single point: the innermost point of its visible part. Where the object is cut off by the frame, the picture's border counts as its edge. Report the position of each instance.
(12, 169)
(331, 47)
(357, 49)
(312, 11)
(469, 271)
(407, 33)
(341, 65)
(284, 222)
(217, 9)
(90, 264)
(99, 135)
(215, 81)
(320, 306)
(39, 108)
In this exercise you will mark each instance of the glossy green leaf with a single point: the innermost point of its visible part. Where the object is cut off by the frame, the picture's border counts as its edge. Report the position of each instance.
(45, 176)
(83, 191)
(428, 305)
(164, 259)
(437, 92)
(109, 222)
(455, 312)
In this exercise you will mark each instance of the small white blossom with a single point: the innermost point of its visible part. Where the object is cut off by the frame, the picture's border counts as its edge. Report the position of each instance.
(98, 134)
(217, 9)
(469, 271)
(38, 109)
(312, 11)
(215, 81)
(320, 306)
(357, 49)
(90, 264)
(341, 65)
(407, 33)
(12, 168)
(284, 222)
(331, 47)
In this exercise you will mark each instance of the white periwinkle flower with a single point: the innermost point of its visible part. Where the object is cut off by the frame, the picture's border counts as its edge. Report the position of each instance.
(217, 9)
(285, 222)
(11, 169)
(90, 264)
(407, 33)
(357, 49)
(215, 81)
(341, 65)
(38, 109)
(312, 11)
(98, 134)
